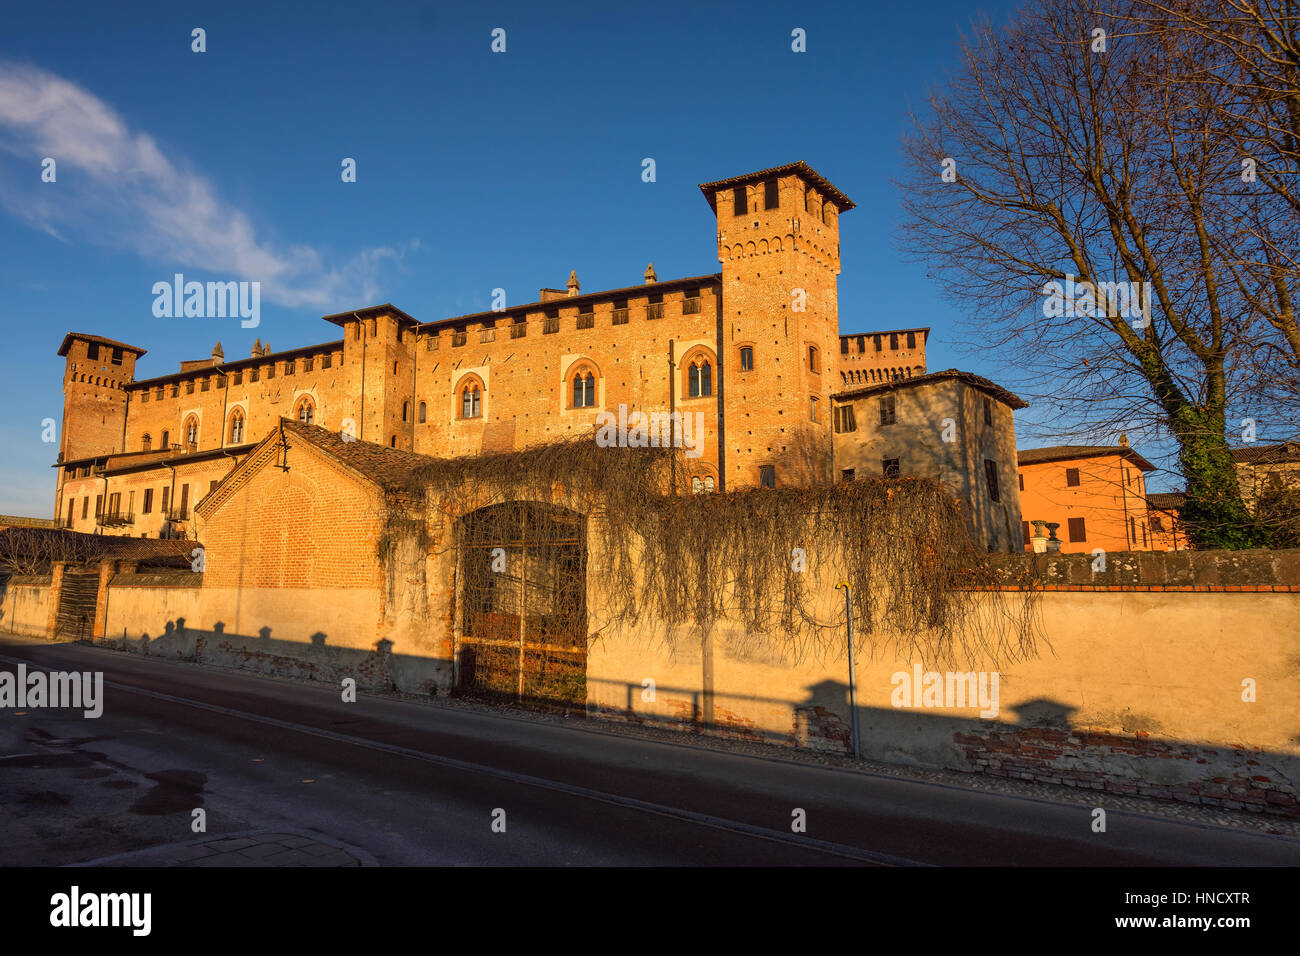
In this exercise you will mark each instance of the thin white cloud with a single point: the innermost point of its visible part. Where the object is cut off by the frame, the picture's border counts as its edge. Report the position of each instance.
(116, 187)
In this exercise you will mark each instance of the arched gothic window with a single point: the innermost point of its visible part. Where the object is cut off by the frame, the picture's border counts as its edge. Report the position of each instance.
(701, 378)
(584, 390)
(470, 402)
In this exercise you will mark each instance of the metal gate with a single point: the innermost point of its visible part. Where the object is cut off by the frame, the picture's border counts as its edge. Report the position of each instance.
(523, 604)
(77, 598)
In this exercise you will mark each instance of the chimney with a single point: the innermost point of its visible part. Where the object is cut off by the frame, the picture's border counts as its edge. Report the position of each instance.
(572, 284)
(266, 348)
(1123, 440)
(650, 277)
(217, 354)
(257, 348)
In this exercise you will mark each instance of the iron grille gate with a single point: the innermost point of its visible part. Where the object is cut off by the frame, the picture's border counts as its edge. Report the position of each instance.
(523, 618)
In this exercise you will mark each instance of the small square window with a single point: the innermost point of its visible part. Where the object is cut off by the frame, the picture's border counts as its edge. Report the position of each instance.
(888, 412)
(1072, 477)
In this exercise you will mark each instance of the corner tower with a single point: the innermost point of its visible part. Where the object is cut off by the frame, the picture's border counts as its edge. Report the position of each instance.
(95, 375)
(779, 246)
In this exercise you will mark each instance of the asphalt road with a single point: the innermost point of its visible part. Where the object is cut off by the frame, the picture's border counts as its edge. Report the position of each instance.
(402, 783)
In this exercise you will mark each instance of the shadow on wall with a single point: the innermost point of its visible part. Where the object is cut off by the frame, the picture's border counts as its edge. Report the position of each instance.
(1041, 744)
(316, 659)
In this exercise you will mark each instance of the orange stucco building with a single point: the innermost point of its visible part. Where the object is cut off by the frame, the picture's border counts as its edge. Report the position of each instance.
(1096, 494)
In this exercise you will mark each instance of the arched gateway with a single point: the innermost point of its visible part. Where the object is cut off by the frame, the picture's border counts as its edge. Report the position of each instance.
(522, 598)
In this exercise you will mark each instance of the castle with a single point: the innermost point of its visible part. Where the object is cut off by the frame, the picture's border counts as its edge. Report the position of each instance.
(786, 398)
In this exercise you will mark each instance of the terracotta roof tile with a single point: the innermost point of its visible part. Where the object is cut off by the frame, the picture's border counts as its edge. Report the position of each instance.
(1267, 454)
(1034, 456)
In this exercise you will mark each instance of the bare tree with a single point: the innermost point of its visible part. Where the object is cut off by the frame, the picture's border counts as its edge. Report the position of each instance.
(1058, 175)
(34, 550)
(1246, 70)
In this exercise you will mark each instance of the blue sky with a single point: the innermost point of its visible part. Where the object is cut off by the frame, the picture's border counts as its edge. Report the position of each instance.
(475, 170)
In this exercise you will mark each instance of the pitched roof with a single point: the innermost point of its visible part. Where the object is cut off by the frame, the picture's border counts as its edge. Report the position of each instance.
(371, 310)
(234, 365)
(1267, 454)
(1034, 456)
(1167, 500)
(59, 544)
(970, 378)
(802, 168)
(112, 343)
(515, 311)
(389, 468)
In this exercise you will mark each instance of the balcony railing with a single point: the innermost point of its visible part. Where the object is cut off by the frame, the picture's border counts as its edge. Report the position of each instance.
(178, 514)
(115, 519)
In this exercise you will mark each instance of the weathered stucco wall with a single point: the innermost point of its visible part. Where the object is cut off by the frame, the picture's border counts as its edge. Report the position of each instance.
(25, 607)
(1131, 691)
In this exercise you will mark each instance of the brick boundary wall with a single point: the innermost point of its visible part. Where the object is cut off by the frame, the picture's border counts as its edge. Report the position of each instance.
(1227, 571)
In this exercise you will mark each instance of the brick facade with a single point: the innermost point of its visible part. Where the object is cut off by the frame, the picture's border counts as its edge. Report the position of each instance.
(754, 349)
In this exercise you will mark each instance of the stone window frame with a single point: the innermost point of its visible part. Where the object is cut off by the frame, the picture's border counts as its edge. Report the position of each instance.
(695, 357)
(467, 382)
(581, 367)
(307, 404)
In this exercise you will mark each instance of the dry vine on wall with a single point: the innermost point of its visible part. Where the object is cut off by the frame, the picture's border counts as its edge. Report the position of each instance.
(764, 559)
